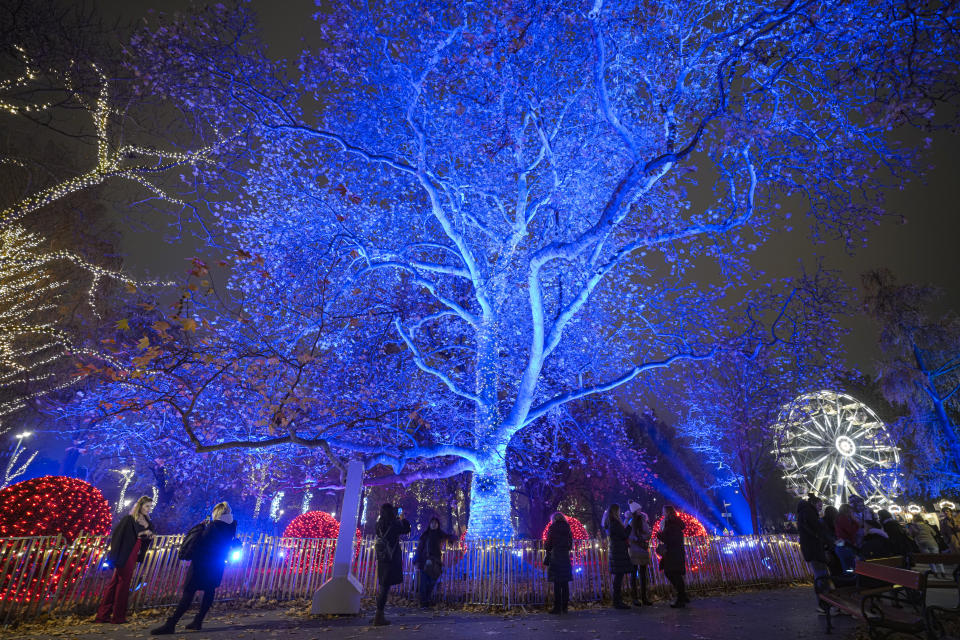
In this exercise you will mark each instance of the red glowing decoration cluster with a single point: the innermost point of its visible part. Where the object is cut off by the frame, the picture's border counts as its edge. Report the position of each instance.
(314, 524)
(53, 504)
(576, 527)
(691, 526)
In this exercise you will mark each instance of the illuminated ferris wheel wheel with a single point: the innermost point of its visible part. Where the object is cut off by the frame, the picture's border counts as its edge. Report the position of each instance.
(832, 445)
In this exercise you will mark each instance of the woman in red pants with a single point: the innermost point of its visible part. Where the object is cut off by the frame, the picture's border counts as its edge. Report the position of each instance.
(128, 545)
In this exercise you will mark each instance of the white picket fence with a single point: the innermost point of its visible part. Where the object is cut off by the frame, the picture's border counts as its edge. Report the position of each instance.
(47, 575)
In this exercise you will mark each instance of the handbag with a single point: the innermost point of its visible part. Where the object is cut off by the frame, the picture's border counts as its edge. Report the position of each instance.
(432, 568)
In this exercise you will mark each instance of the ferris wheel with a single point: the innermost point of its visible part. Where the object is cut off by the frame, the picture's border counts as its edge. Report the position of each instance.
(831, 444)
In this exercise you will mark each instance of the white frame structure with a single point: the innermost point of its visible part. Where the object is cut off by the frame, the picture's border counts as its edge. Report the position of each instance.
(833, 445)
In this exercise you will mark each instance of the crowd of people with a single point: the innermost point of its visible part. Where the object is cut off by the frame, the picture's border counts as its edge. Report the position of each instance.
(833, 538)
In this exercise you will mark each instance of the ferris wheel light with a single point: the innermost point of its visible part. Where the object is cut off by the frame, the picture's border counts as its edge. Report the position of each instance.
(895, 509)
(914, 509)
(830, 444)
(946, 504)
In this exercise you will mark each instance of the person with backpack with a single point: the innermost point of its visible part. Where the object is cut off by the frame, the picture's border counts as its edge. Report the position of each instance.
(207, 553)
(557, 560)
(128, 546)
(390, 526)
(428, 558)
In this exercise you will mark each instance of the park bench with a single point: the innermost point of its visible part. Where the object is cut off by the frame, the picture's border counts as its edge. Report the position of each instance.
(881, 606)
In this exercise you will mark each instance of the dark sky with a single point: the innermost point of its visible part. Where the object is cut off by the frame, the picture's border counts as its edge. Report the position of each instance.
(922, 250)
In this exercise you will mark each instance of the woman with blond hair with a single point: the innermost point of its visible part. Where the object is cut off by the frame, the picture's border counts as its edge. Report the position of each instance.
(206, 568)
(128, 545)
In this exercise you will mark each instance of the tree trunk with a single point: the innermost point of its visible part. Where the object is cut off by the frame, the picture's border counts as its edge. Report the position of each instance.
(490, 503)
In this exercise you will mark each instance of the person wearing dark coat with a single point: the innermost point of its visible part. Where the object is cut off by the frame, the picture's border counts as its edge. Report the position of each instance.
(639, 549)
(206, 568)
(673, 563)
(128, 546)
(559, 566)
(813, 545)
(618, 552)
(900, 543)
(429, 558)
(390, 526)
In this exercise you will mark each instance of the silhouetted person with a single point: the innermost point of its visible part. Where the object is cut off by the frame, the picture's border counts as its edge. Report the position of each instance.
(390, 526)
(206, 568)
(674, 560)
(559, 566)
(429, 558)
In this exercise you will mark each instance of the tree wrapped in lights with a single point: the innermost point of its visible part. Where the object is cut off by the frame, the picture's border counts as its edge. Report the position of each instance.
(53, 505)
(521, 184)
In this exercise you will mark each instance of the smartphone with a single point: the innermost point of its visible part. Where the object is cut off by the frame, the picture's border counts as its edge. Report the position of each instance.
(399, 511)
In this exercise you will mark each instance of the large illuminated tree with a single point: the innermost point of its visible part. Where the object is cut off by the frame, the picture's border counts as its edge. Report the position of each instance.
(919, 370)
(547, 187)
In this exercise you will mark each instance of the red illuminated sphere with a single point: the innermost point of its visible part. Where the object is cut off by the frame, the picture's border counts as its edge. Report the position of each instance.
(53, 504)
(313, 524)
(576, 527)
(691, 526)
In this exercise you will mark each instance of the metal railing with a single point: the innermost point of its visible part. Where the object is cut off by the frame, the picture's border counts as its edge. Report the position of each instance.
(48, 575)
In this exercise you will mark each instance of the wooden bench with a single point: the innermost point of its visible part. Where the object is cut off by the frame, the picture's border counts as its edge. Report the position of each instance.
(882, 606)
(946, 559)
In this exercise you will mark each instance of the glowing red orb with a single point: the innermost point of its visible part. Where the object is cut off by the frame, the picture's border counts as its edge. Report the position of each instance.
(306, 555)
(576, 527)
(53, 504)
(692, 528)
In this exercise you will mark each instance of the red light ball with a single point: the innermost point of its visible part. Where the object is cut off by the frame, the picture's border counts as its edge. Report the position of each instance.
(53, 504)
(313, 524)
(692, 528)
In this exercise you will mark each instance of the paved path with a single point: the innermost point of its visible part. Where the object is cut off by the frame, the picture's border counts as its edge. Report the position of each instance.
(782, 614)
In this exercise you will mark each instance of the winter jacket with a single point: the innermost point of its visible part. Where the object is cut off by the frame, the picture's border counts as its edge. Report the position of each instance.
(674, 559)
(847, 529)
(123, 538)
(430, 546)
(812, 544)
(923, 535)
(639, 542)
(619, 556)
(210, 556)
(558, 545)
(389, 553)
(900, 543)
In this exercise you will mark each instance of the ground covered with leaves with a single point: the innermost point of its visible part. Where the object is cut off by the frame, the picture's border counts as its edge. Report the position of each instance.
(789, 613)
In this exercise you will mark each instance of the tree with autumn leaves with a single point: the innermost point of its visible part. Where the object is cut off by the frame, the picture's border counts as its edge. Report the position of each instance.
(478, 214)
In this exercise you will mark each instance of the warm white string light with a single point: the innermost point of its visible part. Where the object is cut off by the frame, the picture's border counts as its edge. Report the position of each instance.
(30, 296)
(126, 477)
(307, 497)
(128, 162)
(13, 471)
(275, 511)
(29, 74)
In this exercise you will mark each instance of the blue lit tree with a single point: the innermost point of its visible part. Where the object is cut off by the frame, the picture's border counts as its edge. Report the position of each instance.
(536, 195)
(919, 370)
(789, 345)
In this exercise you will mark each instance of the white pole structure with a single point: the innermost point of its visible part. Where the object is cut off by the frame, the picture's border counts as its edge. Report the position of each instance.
(341, 593)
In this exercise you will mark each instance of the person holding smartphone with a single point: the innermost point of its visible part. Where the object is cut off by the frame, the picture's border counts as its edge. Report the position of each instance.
(128, 546)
